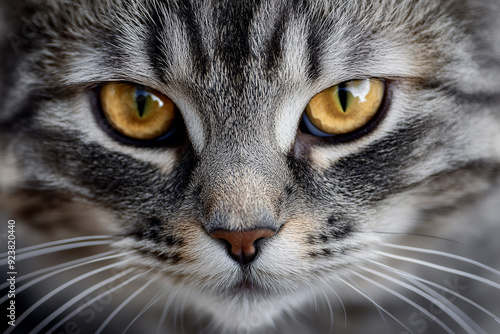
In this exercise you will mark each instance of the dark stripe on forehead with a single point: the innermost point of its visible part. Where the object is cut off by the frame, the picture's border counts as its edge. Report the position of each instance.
(273, 53)
(274, 48)
(199, 55)
(233, 22)
(314, 46)
(155, 46)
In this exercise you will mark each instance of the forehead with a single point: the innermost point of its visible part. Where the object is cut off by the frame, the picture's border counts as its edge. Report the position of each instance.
(182, 40)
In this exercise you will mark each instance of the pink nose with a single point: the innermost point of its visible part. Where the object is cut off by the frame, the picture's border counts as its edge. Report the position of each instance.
(242, 243)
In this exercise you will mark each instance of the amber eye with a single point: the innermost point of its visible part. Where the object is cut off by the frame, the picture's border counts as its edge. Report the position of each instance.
(137, 112)
(344, 108)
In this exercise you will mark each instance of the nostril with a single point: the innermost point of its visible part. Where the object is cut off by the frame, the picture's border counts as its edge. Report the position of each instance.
(227, 244)
(242, 243)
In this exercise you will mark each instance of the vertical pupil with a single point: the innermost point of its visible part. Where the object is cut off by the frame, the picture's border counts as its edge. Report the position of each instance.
(140, 100)
(342, 92)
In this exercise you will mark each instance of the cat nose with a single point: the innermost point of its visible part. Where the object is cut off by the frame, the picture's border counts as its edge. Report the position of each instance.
(243, 248)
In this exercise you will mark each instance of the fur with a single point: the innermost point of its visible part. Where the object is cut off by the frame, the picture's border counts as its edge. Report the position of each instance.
(241, 74)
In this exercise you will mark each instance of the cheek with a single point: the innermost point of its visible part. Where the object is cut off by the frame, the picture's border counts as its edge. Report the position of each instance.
(197, 244)
(291, 245)
(298, 228)
(82, 124)
(200, 252)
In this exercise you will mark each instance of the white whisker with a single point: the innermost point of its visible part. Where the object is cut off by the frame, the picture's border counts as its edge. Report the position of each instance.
(440, 253)
(381, 314)
(459, 319)
(57, 267)
(383, 317)
(376, 304)
(159, 295)
(415, 305)
(50, 274)
(182, 313)
(419, 235)
(40, 252)
(90, 290)
(341, 303)
(59, 242)
(123, 304)
(166, 308)
(454, 293)
(314, 297)
(62, 287)
(208, 328)
(442, 268)
(330, 310)
(454, 309)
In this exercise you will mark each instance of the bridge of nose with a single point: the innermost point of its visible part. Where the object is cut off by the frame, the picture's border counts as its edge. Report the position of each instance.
(236, 197)
(241, 196)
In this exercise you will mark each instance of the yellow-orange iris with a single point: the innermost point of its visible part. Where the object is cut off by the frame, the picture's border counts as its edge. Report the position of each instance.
(137, 112)
(346, 107)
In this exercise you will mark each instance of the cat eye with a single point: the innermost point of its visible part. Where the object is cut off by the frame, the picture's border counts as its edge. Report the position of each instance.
(344, 108)
(137, 112)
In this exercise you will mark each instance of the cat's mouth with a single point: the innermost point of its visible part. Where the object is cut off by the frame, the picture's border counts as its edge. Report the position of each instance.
(252, 286)
(247, 285)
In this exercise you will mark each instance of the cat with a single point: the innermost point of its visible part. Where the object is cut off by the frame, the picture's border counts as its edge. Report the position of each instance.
(291, 166)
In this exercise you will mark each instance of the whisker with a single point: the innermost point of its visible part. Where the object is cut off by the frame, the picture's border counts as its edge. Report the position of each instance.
(452, 313)
(159, 295)
(123, 304)
(456, 294)
(442, 268)
(382, 316)
(166, 308)
(62, 287)
(409, 234)
(209, 328)
(50, 274)
(341, 303)
(444, 254)
(415, 305)
(314, 297)
(330, 309)
(59, 266)
(44, 251)
(454, 309)
(182, 313)
(381, 313)
(59, 242)
(90, 290)
(376, 304)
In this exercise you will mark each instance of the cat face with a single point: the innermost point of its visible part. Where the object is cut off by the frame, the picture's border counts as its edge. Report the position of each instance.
(242, 199)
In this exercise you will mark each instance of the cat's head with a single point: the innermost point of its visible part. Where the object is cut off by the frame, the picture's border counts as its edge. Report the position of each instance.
(229, 187)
